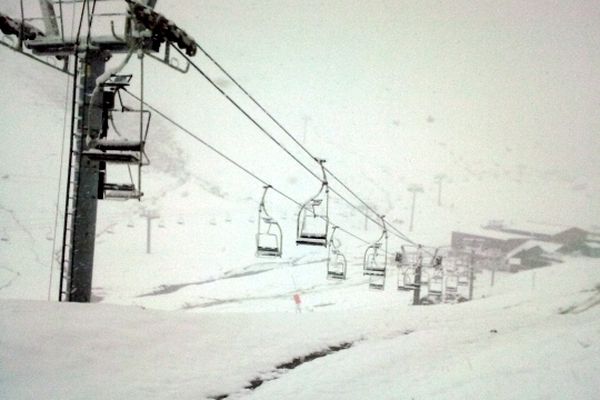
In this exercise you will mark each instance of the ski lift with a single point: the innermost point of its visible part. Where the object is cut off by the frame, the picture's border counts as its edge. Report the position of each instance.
(313, 217)
(463, 278)
(452, 282)
(336, 261)
(129, 152)
(269, 235)
(463, 275)
(407, 270)
(375, 260)
(436, 282)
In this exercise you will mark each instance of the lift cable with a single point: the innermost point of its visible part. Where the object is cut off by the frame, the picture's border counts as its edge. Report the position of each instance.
(246, 170)
(262, 129)
(287, 132)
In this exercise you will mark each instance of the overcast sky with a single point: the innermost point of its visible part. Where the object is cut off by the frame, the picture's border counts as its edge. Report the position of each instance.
(514, 80)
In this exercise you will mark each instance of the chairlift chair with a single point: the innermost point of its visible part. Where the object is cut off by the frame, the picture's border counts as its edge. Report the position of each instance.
(269, 235)
(377, 282)
(436, 283)
(463, 279)
(407, 278)
(124, 151)
(313, 217)
(407, 270)
(452, 282)
(375, 260)
(463, 275)
(336, 261)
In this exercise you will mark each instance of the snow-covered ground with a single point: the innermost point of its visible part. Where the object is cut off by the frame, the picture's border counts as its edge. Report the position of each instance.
(200, 316)
(522, 341)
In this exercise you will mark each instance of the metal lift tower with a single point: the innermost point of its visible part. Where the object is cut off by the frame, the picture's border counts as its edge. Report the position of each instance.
(92, 150)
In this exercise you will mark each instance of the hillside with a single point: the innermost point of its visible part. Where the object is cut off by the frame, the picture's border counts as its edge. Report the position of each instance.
(500, 99)
(519, 342)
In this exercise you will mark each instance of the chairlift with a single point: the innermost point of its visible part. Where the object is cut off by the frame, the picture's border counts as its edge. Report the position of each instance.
(269, 235)
(336, 261)
(407, 270)
(375, 260)
(463, 278)
(452, 282)
(463, 275)
(313, 217)
(129, 152)
(436, 282)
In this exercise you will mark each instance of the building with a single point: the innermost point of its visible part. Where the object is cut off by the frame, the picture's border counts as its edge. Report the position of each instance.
(591, 246)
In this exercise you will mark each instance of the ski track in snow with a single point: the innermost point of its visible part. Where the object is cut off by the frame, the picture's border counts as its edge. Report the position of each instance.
(312, 290)
(16, 275)
(232, 274)
(24, 229)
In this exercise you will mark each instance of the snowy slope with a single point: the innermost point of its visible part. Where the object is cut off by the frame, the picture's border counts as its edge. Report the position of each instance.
(520, 342)
(375, 132)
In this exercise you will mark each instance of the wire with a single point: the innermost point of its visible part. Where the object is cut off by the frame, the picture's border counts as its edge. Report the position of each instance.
(229, 159)
(272, 118)
(395, 232)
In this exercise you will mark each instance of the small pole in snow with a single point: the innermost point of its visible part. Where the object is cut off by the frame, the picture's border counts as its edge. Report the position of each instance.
(439, 178)
(471, 274)
(417, 290)
(414, 189)
(150, 215)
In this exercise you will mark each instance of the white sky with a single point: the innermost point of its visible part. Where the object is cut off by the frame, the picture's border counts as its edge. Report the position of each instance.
(510, 80)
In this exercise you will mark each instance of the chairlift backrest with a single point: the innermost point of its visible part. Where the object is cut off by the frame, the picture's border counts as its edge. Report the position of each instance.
(336, 261)
(374, 260)
(269, 236)
(313, 217)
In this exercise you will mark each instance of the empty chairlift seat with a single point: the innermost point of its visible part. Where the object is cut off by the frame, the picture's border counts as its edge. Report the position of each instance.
(336, 261)
(375, 261)
(408, 263)
(452, 282)
(269, 235)
(436, 283)
(313, 217)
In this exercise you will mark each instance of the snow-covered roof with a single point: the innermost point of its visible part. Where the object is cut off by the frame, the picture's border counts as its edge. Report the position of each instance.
(541, 228)
(494, 234)
(547, 247)
(595, 237)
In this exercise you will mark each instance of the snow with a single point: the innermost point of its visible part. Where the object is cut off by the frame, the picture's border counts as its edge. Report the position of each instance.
(518, 342)
(547, 247)
(200, 316)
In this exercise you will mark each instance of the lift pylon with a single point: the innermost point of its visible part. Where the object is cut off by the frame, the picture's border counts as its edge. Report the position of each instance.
(91, 150)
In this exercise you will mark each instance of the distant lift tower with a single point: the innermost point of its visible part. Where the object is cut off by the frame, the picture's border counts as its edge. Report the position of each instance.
(91, 149)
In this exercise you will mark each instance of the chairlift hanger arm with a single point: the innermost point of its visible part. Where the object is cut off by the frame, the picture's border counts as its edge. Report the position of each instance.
(235, 163)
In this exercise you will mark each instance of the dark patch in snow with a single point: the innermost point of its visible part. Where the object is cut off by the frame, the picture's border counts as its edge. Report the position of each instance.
(264, 267)
(167, 289)
(324, 305)
(284, 367)
(584, 306)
